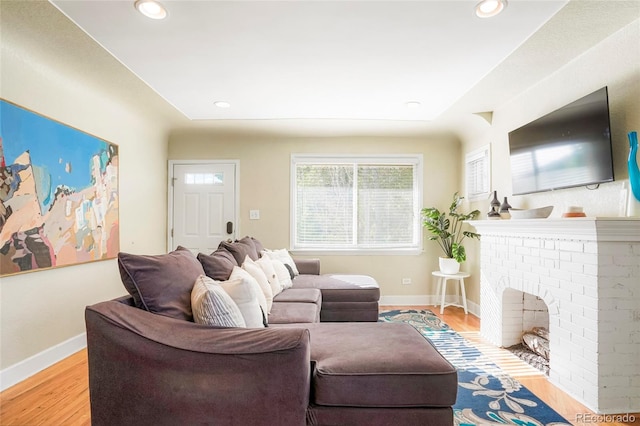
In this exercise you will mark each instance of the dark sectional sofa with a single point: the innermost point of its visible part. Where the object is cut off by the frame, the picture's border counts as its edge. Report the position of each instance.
(149, 363)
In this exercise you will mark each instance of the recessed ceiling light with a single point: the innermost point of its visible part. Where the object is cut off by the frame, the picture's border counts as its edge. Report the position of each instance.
(222, 104)
(151, 9)
(413, 104)
(489, 8)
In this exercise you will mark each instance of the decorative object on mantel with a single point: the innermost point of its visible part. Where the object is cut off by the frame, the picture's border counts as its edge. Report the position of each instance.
(633, 198)
(494, 212)
(504, 209)
(448, 233)
(574, 211)
(539, 213)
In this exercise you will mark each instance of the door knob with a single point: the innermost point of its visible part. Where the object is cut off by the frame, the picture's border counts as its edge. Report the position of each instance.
(229, 228)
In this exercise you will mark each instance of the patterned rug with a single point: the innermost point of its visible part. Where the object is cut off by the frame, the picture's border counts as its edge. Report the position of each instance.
(486, 394)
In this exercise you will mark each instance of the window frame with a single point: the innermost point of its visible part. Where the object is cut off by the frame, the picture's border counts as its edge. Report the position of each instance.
(482, 155)
(416, 160)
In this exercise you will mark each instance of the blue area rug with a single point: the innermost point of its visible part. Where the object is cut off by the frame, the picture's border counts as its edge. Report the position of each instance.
(486, 395)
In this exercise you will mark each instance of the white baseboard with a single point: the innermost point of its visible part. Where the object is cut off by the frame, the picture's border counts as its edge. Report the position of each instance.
(38, 362)
(426, 300)
(407, 300)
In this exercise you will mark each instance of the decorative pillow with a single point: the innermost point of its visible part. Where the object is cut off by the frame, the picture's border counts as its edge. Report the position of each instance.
(218, 265)
(162, 283)
(258, 245)
(212, 305)
(292, 275)
(283, 256)
(267, 266)
(258, 274)
(241, 249)
(244, 290)
(245, 275)
(282, 273)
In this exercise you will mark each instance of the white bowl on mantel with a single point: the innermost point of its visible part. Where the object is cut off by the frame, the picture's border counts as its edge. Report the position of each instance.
(539, 213)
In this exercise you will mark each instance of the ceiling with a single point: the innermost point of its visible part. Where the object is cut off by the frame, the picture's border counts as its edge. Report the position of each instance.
(339, 63)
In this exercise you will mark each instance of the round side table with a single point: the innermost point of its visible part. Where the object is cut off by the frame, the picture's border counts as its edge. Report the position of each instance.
(442, 279)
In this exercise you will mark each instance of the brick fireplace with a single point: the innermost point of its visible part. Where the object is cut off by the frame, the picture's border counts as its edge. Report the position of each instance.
(581, 277)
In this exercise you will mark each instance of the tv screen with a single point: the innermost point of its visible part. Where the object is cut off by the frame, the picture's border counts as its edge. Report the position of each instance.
(566, 148)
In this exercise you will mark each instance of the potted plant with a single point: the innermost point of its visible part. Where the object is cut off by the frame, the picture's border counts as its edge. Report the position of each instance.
(447, 231)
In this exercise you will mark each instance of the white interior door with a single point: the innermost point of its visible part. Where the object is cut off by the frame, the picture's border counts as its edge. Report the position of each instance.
(204, 205)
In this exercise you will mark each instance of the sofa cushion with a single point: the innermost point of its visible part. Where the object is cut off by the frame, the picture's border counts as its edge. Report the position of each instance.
(283, 256)
(244, 293)
(337, 290)
(394, 359)
(211, 305)
(162, 283)
(304, 295)
(261, 278)
(239, 273)
(240, 249)
(267, 266)
(294, 313)
(258, 245)
(218, 265)
(283, 273)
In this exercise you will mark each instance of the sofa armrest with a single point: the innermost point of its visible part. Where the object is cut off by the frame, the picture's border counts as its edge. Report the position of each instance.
(308, 266)
(168, 371)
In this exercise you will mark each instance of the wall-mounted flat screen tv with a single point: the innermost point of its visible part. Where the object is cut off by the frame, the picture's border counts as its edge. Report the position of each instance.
(566, 148)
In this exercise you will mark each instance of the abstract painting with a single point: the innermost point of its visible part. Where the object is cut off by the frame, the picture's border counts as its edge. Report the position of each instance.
(58, 194)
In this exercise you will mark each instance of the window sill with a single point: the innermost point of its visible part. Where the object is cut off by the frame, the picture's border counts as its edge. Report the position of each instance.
(356, 252)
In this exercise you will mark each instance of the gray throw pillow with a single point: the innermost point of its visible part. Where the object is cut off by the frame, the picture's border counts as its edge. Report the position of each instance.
(240, 249)
(162, 283)
(218, 265)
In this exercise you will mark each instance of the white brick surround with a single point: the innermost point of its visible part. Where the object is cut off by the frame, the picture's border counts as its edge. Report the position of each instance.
(587, 272)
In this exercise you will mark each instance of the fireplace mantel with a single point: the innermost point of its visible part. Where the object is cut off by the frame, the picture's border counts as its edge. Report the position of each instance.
(586, 271)
(583, 229)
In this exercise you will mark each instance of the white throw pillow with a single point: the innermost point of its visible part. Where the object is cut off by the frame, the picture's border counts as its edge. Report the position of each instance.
(258, 274)
(247, 294)
(267, 266)
(283, 273)
(283, 256)
(211, 305)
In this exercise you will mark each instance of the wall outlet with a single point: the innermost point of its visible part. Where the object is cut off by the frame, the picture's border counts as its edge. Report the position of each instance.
(254, 214)
(406, 281)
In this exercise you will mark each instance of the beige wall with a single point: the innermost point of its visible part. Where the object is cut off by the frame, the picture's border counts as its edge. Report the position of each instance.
(43, 56)
(615, 63)
(265, 185)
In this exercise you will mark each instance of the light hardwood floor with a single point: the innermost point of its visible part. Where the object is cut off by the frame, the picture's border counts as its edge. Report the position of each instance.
(59, 395)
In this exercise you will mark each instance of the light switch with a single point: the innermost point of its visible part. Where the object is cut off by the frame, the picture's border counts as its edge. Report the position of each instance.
(254, 214)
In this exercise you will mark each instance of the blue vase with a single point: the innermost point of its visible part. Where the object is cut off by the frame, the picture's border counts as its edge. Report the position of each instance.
(634, 173)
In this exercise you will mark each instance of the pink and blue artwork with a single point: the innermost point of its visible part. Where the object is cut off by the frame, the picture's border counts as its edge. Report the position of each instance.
(58, 194)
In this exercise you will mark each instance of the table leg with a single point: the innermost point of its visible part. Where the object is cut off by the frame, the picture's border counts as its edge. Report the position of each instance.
(443, 280)
(464, 296)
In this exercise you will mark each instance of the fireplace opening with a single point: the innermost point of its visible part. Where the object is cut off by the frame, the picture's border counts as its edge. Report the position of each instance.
(534, 349)
(533, 336)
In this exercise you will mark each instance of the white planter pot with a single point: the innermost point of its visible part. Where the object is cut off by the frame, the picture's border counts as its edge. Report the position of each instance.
(449, 266)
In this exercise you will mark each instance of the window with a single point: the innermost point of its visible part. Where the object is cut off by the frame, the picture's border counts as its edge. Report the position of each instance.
(204, 178)
(477, 170)
(347, 203)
